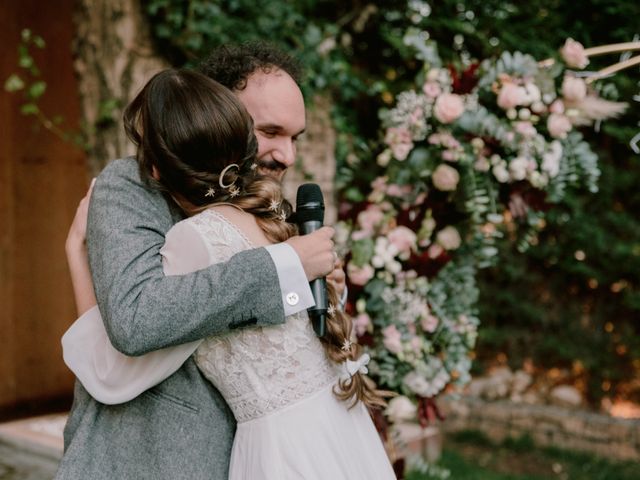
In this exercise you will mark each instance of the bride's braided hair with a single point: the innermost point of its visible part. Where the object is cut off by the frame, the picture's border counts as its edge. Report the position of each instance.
(195, 142)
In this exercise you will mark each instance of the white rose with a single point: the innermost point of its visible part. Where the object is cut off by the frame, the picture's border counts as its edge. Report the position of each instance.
(500, 172)
(518, 168)
(400, 409)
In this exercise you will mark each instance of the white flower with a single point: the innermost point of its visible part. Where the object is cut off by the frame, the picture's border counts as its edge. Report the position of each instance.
(400, 408)
(511, 96)
(500, 172)
(518, 168)
(551, 159)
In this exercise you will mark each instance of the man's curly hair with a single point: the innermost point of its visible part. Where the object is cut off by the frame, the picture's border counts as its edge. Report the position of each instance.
(232, 65)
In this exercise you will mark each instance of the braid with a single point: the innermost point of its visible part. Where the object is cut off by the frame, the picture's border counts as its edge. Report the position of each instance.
(259, 195)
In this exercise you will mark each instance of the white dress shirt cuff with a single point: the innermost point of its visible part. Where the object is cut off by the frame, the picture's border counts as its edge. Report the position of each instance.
(296, 293)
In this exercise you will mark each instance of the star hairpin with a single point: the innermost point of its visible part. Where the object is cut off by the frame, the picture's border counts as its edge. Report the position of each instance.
(283, 216)
(331, 310)
(254, 166)
(274, 206)
(346, 345)
(234, 191)
(210, 193)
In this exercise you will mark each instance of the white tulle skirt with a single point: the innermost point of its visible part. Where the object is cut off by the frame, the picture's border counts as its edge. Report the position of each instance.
(318, 438)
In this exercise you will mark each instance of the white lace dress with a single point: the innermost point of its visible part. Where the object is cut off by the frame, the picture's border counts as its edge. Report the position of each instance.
(278, 383)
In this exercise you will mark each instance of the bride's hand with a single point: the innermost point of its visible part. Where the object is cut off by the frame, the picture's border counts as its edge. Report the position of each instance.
(77, 236)
(77, 258)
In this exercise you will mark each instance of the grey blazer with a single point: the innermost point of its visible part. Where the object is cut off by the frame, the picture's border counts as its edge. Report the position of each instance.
(182, 428)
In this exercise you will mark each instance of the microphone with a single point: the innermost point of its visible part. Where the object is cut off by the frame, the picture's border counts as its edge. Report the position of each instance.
(309, 217)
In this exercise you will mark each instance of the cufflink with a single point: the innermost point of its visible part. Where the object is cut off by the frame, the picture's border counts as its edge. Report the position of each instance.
(292, 298)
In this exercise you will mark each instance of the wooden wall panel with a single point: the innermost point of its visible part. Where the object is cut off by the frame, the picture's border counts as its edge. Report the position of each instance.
(42, 178)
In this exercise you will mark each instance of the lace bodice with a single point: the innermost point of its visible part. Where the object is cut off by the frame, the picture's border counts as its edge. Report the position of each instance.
(258, 370)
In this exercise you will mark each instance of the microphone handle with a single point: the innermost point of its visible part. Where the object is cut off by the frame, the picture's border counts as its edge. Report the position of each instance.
(318, 314)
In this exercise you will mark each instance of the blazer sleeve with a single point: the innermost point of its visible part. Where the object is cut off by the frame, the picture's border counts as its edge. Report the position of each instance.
(144, 310)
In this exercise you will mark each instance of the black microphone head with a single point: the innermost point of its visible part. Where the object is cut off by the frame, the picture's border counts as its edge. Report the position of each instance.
(309, 203)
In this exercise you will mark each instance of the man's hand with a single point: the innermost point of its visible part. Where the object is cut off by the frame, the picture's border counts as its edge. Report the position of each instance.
(315, 251)
(338, 278)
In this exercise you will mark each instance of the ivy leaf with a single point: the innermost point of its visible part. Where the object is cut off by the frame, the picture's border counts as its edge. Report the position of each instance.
(29, 109)
(37, 89)
(13, 83)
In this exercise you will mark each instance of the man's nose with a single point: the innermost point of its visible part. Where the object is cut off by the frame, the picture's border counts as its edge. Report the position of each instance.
(285, 154)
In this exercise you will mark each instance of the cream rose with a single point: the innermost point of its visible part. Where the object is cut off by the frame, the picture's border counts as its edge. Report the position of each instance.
(400, 409)
(445, 178)
(573, 54)
(448, 107)
(449, 238)
(574, 89)
(403, 238)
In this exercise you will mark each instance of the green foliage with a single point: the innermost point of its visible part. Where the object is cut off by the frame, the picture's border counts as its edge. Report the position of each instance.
(28, 81)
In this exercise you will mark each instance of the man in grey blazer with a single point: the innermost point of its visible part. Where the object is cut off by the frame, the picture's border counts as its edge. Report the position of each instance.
(182, 428)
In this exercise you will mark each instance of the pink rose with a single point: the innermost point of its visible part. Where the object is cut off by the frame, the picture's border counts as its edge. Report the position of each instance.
(573, 54)
(435, 250)
(448, 107)
(429, 323)
(510, 96)
(401, 150)
(526, 129)
(574, 89)
(392, 339)
(558, 125)
(359, 275)
(395, 190)
(362, 323)
(403, 238)
(449, 238)
(557, 107)
(445, 178)
(370, 218)
(431, 89)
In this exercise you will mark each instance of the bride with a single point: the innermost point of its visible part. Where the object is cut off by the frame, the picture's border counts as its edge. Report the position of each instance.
(300, 402)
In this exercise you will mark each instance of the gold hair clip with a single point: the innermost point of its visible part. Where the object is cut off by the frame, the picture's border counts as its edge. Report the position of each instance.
(210, 193)
(224, 172)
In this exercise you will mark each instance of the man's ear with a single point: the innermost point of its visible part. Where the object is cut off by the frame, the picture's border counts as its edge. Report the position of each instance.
(155, 174)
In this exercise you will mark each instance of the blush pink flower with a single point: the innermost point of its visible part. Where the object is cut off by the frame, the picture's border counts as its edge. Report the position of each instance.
(526, 129)
(558, 125)
(510, 96)
(400, 191)
(401, 150)
(445, 178)
(362, 324)
(429, 323)
(431, 89)
(448, 107)
(403, 238)
(435, 250)
(573, 54)
(370, 218)
(574, 89)
(392, 339)
(557, 107)
(360, 275)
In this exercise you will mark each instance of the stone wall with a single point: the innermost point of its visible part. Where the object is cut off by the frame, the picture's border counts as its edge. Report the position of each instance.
(547, 425)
